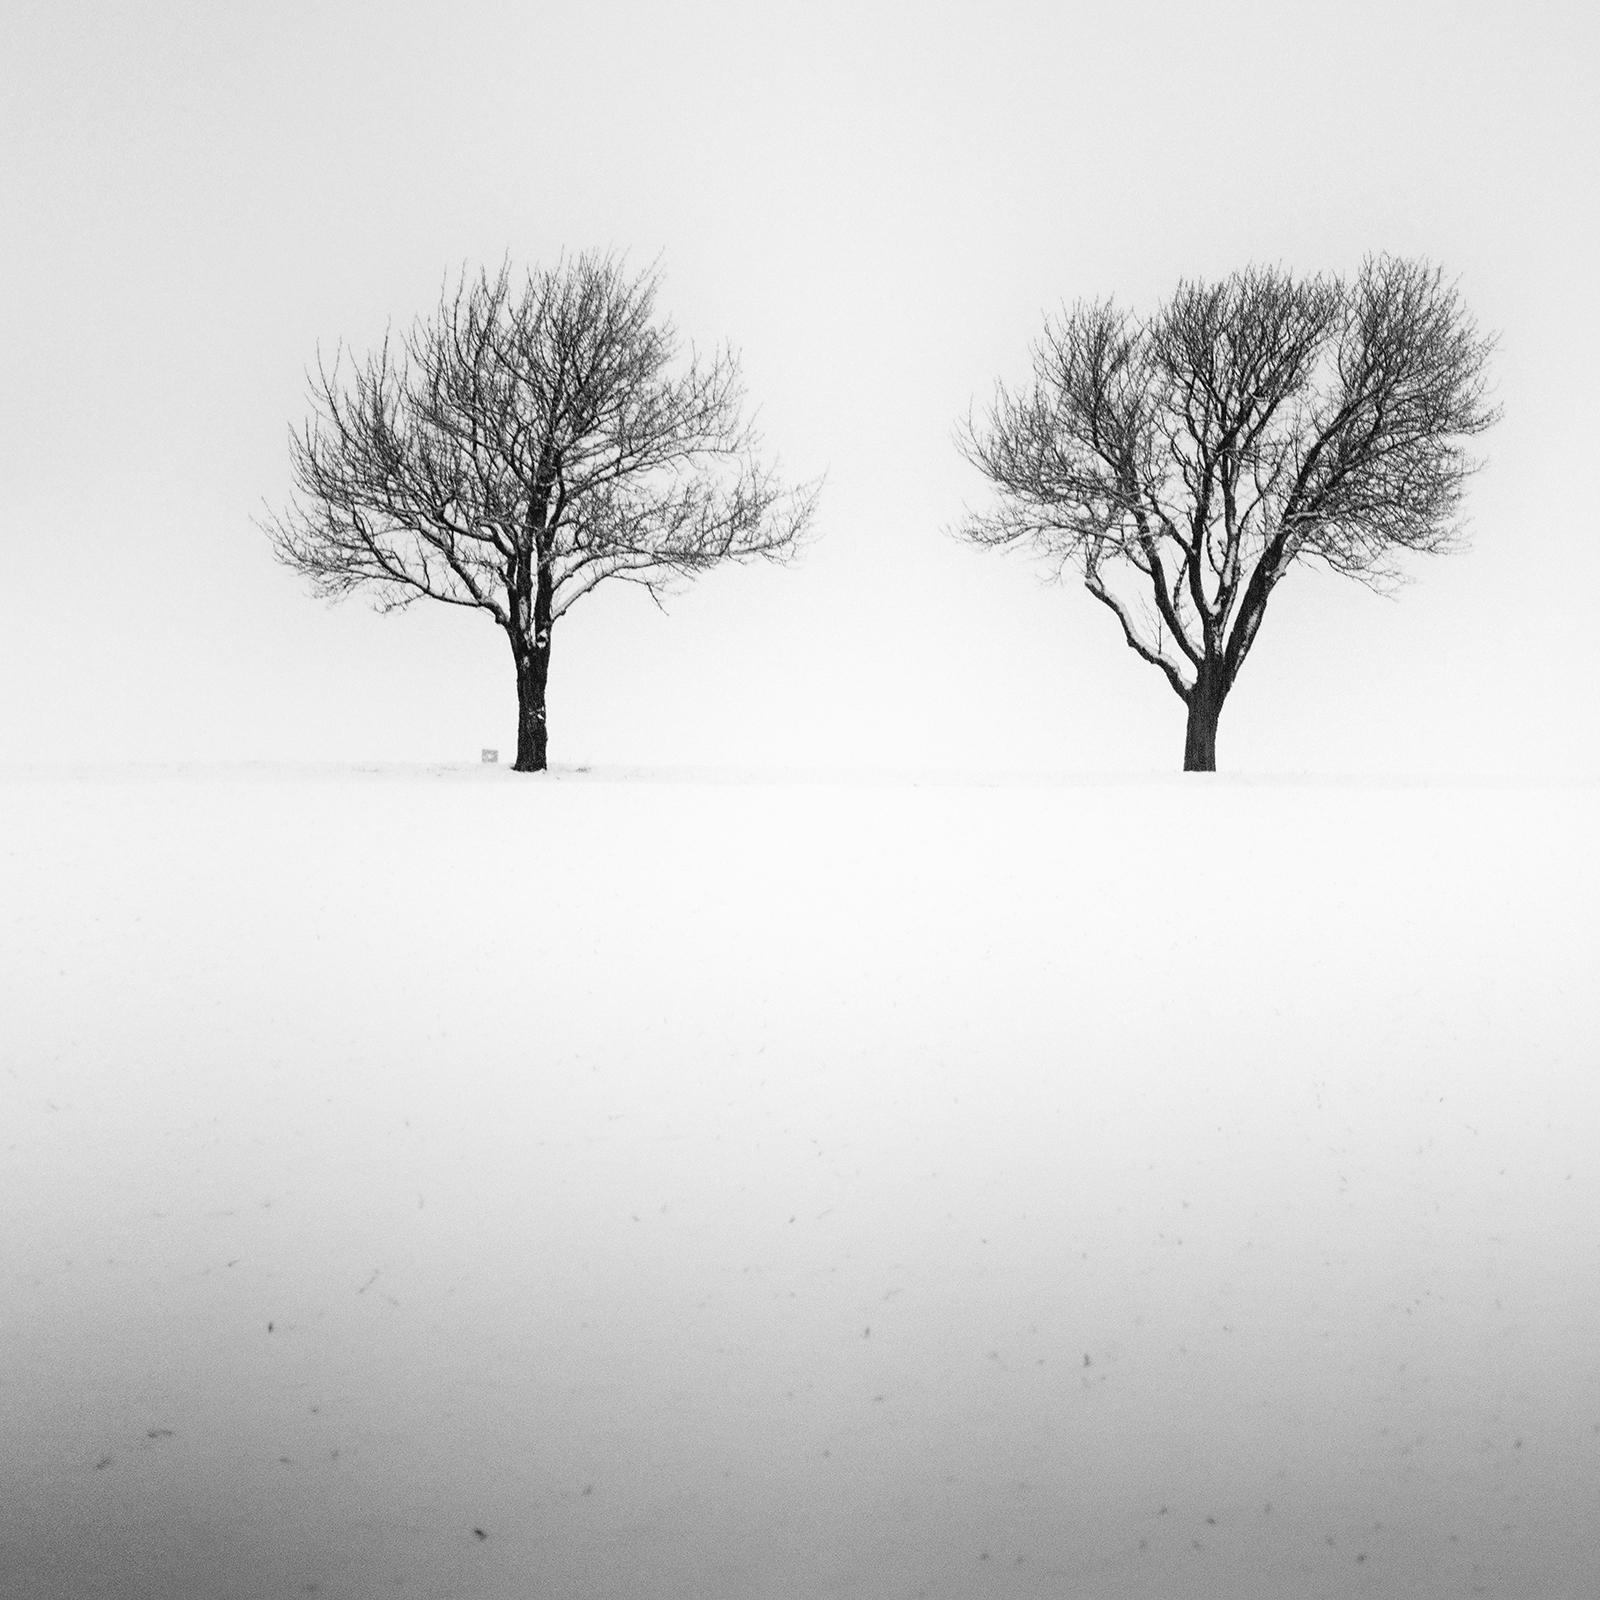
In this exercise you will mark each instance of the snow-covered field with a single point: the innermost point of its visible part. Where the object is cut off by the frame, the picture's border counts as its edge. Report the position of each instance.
(430, 1183)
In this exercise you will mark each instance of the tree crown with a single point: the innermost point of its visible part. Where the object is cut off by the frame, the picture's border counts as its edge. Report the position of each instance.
(545, 428)
(1185, 460)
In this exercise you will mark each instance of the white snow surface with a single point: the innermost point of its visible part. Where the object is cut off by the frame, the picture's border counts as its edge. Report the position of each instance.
(649, 1186)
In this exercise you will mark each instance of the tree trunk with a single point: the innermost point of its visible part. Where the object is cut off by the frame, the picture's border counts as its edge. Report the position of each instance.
(1200, 739)
(533, 676)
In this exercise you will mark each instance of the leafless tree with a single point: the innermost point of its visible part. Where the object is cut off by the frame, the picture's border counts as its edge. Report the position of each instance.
(1182, 463)
(529, 440)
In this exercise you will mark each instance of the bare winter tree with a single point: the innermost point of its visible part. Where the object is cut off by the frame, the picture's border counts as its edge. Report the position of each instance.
(1182, 463)
(528, 441)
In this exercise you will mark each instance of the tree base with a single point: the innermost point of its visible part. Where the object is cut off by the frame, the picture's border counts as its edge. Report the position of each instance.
(1200, 738)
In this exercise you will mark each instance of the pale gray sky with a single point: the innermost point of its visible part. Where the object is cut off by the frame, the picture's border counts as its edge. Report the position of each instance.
(877, 203)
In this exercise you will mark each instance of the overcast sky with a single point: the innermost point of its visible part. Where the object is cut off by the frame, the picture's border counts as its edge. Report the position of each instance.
(877, 203)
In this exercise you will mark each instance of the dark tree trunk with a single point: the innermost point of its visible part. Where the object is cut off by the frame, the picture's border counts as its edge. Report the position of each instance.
(528, 627)
(533, 677)
(1200, 738)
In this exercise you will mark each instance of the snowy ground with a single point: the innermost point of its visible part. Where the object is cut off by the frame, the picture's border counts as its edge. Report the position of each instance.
(619, 1187)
